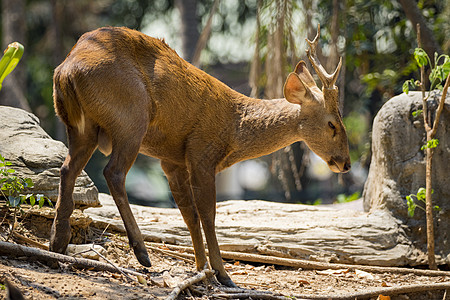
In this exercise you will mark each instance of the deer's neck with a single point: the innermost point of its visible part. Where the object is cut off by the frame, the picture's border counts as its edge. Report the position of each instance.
(262, 127)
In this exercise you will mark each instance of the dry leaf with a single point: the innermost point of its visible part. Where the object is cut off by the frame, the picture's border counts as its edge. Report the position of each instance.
(381, 297)
(384, 284)
(169, 281)
(363, 275)
(240, 272)
(302, 281)
(141, 280)
(332, 272)
(236, 263)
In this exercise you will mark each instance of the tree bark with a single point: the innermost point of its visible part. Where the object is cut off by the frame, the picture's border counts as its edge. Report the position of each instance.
(429, 208)
(14, 27)
(414, 14)
(189, 26)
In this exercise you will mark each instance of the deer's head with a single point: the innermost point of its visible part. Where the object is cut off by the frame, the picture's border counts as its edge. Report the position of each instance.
(321, 125)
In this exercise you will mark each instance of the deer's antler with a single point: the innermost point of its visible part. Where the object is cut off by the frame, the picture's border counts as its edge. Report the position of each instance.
(328, 80)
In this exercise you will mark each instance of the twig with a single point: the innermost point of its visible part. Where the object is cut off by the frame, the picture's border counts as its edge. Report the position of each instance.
(183, 256)
(24, 239)
(251, 295)
(386, 291)
(189, 282)
(440, 107)
(109, 262)
(313, 265)
(12, 250)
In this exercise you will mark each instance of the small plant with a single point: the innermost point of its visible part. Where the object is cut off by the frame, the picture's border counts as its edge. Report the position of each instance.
(12, 187)
(343, 198)
(420, 196)
(440, 74)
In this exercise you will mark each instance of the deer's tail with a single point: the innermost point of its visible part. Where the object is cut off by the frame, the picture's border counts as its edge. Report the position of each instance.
(66, 104)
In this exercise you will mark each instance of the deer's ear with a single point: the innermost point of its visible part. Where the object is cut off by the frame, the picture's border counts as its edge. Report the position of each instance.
(296, 91)
(302, 71)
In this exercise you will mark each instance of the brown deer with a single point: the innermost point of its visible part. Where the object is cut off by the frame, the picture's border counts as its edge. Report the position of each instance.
(127, 93)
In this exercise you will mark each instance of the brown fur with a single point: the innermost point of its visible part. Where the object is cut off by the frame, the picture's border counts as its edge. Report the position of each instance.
(126, 93)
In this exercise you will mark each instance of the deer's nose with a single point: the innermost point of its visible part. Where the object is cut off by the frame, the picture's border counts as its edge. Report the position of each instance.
(347, 166)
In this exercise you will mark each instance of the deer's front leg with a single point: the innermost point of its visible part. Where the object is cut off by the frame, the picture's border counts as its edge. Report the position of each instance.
(204, 191)
(178, 178)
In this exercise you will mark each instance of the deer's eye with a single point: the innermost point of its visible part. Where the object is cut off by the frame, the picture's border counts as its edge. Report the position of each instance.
(331, 125)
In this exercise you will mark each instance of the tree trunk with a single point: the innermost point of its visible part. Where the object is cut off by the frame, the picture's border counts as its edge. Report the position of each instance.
(58, 54)
(13, 23)
(189, 26)
(414, 14)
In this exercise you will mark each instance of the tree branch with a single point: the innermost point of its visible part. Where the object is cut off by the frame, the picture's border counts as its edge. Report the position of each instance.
(440, 107)
(387, 291)
(189, 282)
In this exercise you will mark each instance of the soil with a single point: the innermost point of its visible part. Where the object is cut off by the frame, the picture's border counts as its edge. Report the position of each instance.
(38, 281)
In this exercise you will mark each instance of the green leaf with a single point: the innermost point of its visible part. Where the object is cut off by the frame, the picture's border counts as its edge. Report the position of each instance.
(417, 112)
(28, 183)
(421, 194)
(421, 57)
(437, 208)
(41, 200)
(14, 201)
(411, 205)
(32, 200)
(433, 143)
(11, 171)
(405, 87)
(407, 84)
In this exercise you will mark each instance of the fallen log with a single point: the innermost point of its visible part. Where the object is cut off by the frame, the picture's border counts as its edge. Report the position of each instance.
(15, 250)
(309, 265)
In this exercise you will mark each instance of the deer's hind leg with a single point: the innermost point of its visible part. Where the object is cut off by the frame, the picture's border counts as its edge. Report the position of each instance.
(81, 147)
(125, 148)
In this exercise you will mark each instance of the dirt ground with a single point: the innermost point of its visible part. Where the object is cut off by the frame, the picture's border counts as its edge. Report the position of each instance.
(38, 281)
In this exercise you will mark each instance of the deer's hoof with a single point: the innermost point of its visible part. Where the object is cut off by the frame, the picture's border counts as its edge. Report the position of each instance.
(142, 257)
(60, 236)
(226, 281)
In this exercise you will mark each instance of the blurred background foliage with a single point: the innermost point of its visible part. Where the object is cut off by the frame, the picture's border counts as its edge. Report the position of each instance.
(251, 45)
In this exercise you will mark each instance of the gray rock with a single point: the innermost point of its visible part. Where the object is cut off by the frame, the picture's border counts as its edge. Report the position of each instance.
(398, 168)
(34, 154)
(283, 230)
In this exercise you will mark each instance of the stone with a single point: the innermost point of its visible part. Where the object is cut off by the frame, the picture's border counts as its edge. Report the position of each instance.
(34, 154)
(85, 251)
(398, 164)
(284, 230)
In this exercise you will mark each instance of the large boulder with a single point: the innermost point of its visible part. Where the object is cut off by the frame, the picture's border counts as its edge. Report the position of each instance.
(34, 154)
(398, 168)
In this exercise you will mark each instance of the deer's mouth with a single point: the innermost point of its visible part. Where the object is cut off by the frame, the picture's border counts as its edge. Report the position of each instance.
(339, 166)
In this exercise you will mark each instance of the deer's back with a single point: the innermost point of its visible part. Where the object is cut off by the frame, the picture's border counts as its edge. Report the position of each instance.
(123, 78)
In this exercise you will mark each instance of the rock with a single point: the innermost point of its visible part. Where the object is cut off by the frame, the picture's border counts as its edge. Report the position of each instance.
(85, 250)
(398, 169)
(34, 154)
(284, 230)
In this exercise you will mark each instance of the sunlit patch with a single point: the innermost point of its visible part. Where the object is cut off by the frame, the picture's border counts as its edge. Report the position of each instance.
(318, 168)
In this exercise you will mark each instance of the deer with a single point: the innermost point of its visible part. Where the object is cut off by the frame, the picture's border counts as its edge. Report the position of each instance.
(125, 93)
